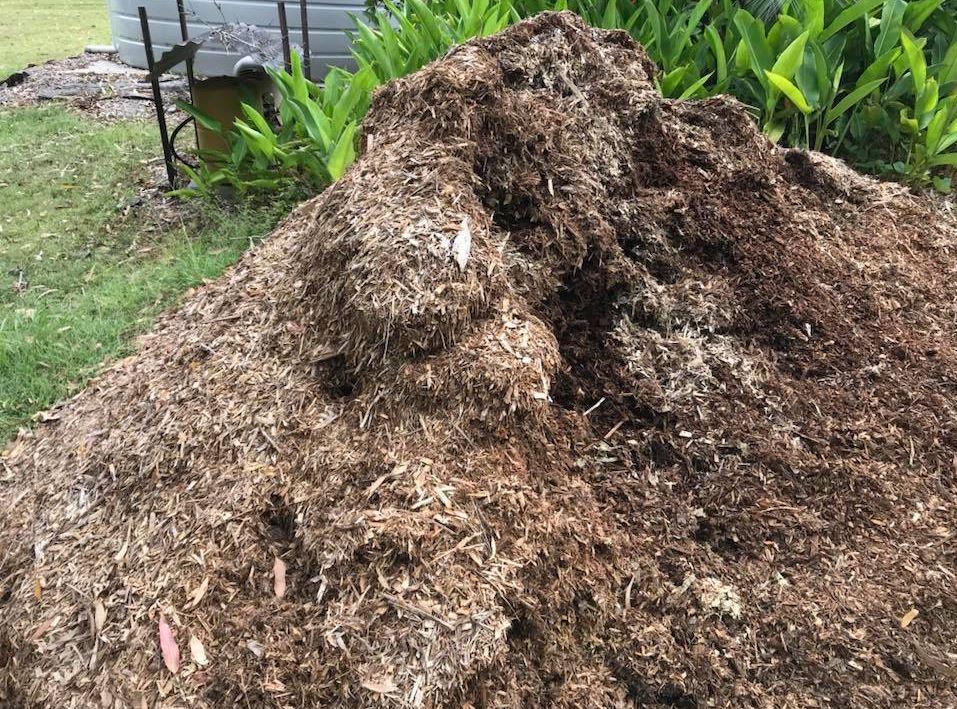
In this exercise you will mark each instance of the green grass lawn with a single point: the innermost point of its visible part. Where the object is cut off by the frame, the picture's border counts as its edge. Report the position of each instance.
(80, 279)
(81, 273)
(32, 31)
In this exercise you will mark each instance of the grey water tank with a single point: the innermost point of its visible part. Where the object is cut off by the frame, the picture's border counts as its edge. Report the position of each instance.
(329, 24)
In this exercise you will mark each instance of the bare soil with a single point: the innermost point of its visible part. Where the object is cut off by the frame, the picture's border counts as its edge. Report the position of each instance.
(96, 84)
(564, 396)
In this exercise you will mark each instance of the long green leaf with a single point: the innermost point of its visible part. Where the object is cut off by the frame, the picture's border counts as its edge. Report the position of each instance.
(892, 15)
(790, 59)
(915, 60)
(814, 16)
(752, 34)
(849, 15)
(717, 49)
(943, 159)
(343, 154)
(203, 119)
(789, 90)
(693, 88)
(851, 100)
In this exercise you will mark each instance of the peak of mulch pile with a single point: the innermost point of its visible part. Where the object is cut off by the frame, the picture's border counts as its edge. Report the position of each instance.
(566, 396)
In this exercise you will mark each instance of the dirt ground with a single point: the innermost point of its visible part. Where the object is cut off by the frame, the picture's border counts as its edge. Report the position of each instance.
(564, 396)
(95, 83)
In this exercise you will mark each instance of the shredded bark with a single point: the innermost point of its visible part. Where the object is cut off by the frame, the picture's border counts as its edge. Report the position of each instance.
(565, 395)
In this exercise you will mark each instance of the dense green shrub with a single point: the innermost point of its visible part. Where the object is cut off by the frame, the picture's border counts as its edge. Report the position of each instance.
(871, 81)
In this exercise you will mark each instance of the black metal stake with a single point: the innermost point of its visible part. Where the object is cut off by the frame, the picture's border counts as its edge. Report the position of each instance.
(157, 98)
(190, 78)
(284, 33)
(306, 54)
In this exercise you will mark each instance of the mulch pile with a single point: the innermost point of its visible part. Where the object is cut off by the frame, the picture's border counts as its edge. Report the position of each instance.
(566, 395)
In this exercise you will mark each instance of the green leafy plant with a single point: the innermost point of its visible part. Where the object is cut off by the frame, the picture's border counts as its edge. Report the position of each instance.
(872, 81)
(311, 147)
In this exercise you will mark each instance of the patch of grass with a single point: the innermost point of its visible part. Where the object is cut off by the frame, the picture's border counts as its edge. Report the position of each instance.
(79, 279)
(32, 31)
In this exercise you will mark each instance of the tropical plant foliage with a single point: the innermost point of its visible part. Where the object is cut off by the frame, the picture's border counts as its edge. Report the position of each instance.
(871, 81)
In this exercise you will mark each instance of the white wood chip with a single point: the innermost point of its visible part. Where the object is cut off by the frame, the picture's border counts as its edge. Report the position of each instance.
(462, 245)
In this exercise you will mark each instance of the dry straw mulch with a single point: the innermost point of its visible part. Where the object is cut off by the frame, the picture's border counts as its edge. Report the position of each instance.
(564, 396)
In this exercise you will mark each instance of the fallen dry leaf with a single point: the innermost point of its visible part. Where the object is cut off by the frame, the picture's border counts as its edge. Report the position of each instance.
(197, 651)
(380, 685)
(168, 646)
(279, 577)
(908, 617)
(197, 595)
(99, 615)
(256, 648)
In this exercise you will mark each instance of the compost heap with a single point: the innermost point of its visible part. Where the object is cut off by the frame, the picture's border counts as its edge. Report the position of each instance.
(565, 395)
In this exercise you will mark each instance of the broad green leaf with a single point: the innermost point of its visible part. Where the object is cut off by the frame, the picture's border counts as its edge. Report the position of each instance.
(742, 57)
(371, 44)
(948, 70)
(752, 34)
(814, 16)
(693, 88)
(609, 19)
(908, 123)
(784, 31)
(790, 59)
(918, 11)
(809, 79)
(672, 80)
(924, 108)
(343, 154)
(390, 43)
(849, 15)
(879, 67)
(774, 130)
(430, 21)
(790, 90)
(256, 141)
(851, 100)
(935, 131)
(915, 60)
(256, 119)
(943, 159)
(892, 15)
(690, 24)
(315, 121)
(717, 49)
(299, 88)
(203, 119)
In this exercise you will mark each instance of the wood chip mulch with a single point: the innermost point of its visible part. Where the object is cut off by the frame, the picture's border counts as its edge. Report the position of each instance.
(565, 396)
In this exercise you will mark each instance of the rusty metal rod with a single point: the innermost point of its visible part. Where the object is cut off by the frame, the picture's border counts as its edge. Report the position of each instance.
(157, 98)
(306, 54)
(284, 33)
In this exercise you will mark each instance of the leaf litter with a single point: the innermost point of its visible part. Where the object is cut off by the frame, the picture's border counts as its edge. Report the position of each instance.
(766, 483)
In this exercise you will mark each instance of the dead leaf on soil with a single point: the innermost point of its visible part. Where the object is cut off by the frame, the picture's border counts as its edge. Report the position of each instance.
(256, 648)
(197, 651)
(168, 646)
(197, 595)
(99, 615)
(279, 577)
(380, 685)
